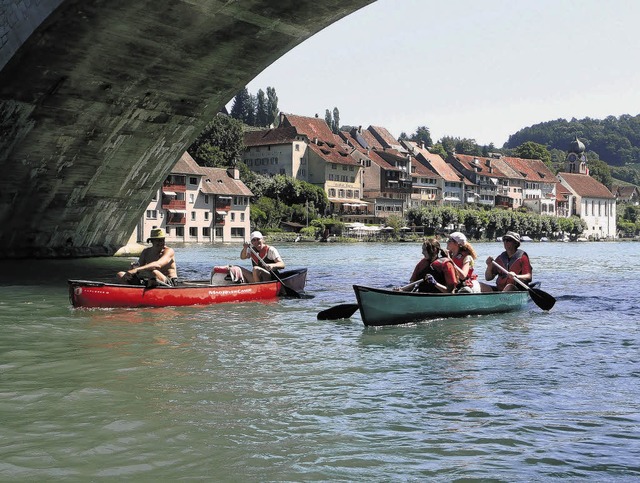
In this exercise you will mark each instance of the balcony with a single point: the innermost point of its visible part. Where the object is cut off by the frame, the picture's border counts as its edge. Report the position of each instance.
(170, 203)
(176, 217)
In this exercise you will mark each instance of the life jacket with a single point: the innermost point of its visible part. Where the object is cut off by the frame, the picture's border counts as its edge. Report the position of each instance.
(459, 261)
(436, 269)
(510, 264)
(262, 254)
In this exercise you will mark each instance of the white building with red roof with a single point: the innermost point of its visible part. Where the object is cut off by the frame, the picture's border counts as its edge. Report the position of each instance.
(535, 184)
(486, 175)
(592, 201)
(198, 204)
(450, 182)
(306, 149)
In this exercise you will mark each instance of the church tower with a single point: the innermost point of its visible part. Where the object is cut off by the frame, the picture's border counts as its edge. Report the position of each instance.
(576, 161)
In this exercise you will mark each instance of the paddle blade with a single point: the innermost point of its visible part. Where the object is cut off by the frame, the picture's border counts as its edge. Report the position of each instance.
(343, 311)
(542, 299)
(290, 292)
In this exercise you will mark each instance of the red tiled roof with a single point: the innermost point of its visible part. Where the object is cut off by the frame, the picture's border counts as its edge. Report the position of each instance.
(586, 186)
(371, 140)
(484, 165)
(626, 192)
(387, 159)
(186, 165)
(531, 169)
(312, 127)
(422, 170)
(214, 180)
(383, 136)
(279, 135)
(439, 165)
(218, 182)
(333, 155)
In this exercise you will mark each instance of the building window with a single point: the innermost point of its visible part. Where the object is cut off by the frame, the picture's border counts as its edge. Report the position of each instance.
(193, 216)
(218, 232)
(237, 232)
(206, 215)
(332, 192)
(193, 231)
(297, 146)
(206, 199)
(233, 216)
(179, 231)
(206, 232)
(191, 197)
(152, 214)
(241, 216)
(193, 180)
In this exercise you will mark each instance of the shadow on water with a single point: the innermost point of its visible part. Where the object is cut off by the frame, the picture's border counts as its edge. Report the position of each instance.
(57, 272)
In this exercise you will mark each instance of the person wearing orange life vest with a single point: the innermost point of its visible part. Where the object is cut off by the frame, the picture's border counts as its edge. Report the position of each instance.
(265, 259)
(514, 260)
(436, 269)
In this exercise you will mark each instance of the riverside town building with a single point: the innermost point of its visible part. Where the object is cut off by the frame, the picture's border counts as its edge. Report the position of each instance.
(368, 175)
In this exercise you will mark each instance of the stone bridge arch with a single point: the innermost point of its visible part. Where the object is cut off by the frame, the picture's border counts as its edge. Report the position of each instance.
(98, 100)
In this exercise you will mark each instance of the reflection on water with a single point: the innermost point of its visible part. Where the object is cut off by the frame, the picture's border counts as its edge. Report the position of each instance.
(265, 392)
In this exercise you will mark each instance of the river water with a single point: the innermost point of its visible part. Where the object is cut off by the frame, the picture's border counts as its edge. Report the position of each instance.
(265, 392)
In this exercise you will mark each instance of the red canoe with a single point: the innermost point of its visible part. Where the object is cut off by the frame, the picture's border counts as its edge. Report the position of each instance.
(84, 293)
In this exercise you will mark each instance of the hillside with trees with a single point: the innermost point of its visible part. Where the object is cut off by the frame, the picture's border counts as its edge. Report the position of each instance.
(615, 139)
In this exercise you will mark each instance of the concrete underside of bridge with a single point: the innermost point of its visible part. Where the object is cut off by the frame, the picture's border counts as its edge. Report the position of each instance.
(101, 98)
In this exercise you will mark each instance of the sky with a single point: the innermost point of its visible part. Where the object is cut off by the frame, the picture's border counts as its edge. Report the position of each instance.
(466, 68)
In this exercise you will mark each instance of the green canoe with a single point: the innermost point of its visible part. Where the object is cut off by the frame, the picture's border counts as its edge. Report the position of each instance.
(387, 307)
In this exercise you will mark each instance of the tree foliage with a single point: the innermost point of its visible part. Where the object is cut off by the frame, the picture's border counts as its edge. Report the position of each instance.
(289, 200)
(615, 139)
(531, 150)
(220, 144)
(482, 223)
(422, 134)
(258, 110)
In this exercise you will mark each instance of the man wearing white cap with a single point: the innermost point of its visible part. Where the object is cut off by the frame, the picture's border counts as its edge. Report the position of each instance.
(265, 259)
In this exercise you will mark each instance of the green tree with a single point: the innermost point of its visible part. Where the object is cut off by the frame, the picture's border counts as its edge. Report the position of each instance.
(422, 134)
(439, 149)
(262, 114)
(335, 124)
(601, 171)
(531, 150)
(241, 105)
(328, 118)
(272, 106)
(220, 144)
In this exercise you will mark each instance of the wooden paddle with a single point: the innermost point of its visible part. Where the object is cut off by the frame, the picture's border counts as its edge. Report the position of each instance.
(288, 290)
(541, 298)
(344, 311)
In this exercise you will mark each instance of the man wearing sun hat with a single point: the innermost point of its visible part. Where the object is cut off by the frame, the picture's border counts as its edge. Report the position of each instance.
(514, 260)
(265, 259)
(156, 262)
